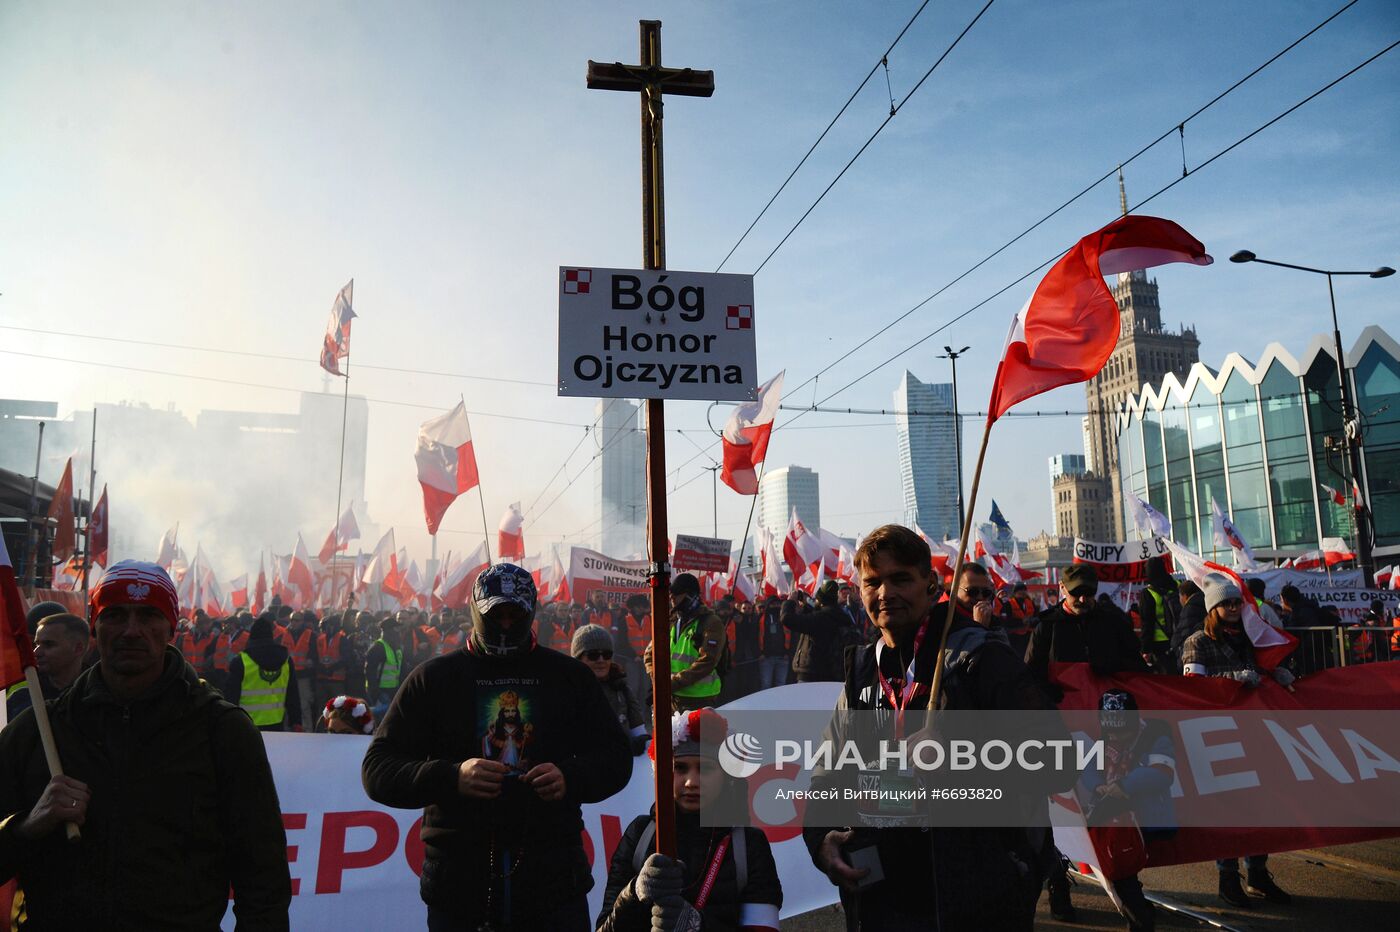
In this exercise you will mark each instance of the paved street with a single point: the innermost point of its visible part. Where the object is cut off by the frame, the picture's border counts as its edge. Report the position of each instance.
(1347, 887)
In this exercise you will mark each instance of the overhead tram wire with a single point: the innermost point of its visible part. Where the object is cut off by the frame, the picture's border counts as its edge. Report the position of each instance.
(885, 122)
(884, 60)
(1188, 173)
(1174, 128)
(618, 434)
(564, 465)
(1153, 196)
(277, 356)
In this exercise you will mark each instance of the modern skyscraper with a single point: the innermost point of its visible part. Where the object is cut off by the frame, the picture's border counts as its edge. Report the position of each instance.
(928, 459)
(619, 478)
(784, 489)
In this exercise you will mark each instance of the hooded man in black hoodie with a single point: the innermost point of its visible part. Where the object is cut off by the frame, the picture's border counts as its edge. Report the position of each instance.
(263, 680)
(500, 744)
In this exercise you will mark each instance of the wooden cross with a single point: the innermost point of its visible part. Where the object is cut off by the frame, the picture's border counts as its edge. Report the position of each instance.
(652, 81)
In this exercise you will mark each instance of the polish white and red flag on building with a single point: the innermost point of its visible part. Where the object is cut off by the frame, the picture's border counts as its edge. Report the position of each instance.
(1271, 645)
(801, 548)
(97, 533)
(446, 462)
(383, 566)
(238, 591)
(299, 575)
(456, 589)
(510, 536)
(338, 540)
(1068, 328)
(745, 437)
(1337, 495)
(166, 551)
(336, 345)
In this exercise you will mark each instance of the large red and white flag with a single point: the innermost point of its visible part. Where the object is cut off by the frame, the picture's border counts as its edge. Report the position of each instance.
(1227, 537)
(801, 548)
(745, 437)
(457, 583)
(260, 589)
(561, 590)
(61, 511)
(16, 650)
(1271, 645)
(336, 345)
(383, 566)
(510, 537)
(1068, 328)
(739, 583)
(339, 538)
(1383, 577)
(299, 575)
(1337, 496)
(446, 462)
(97, 532)
(238, 591)
(167, 550)
(774, 582)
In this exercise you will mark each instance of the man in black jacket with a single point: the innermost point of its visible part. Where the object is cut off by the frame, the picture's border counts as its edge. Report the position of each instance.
(937, 878)
(822, 636)
(499, 744)
(264, 681)
(1191, 619)
(169, 783)
(1159, 606)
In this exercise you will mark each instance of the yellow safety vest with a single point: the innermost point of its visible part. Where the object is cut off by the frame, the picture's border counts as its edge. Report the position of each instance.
(389, 675)
(684, 653)
(1159, 630)
(264, 699)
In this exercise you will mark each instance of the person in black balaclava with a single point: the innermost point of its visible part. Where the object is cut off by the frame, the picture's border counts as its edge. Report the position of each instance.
(499, 744)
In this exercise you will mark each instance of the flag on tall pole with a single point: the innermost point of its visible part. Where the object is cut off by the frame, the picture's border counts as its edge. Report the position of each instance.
(167, 550)
(446, 462)
(1337, 496)
(336, 345)
(510, 537)
(339, 538)
(97, 531)
(1068, 328)
(745, 437)
(61, 511)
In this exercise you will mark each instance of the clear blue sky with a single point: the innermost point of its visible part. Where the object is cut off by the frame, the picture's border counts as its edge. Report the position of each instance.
(212, 173)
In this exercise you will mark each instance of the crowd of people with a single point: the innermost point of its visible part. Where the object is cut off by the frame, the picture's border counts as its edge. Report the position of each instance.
(500, 742)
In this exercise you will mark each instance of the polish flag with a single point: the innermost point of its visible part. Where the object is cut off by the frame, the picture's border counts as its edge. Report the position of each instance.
(941, 556)
(1356, 493)
(457, 583)
(446, 462)
(166, 550)
(340, 536)
(1308, 560)
(383, 566)
(336, 345)
(739, 582)
(1068, 328)
(1383, 577)
(774, 582)
(800, 548)
(510, 539)
(299, 575)
(745, 437)
(260, 590)
(16, 650)
(1271, 645)
(831, 552)
(1337, 496)
(238, 592)
(1335, 550)
(97, 532)
(562, 590)
(61, 511)
(410, 592)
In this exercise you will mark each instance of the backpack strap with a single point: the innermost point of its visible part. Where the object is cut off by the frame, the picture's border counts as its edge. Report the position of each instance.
(639, 853)
(739, 845)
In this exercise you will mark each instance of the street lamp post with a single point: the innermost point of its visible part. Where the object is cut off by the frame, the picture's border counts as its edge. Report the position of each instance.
(1351, 422)
(952, 355)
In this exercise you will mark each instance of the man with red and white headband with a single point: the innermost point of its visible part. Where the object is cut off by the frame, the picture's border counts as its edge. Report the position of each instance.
(168, 782)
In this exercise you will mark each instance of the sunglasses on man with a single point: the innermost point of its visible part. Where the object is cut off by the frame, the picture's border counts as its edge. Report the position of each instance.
(598, 654)
(973, 593)
(1084, 592)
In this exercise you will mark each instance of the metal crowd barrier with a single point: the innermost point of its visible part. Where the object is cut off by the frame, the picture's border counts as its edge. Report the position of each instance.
(1326, 646)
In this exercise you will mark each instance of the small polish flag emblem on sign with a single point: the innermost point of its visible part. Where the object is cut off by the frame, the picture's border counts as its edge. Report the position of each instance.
(577, 281)
(740, 317)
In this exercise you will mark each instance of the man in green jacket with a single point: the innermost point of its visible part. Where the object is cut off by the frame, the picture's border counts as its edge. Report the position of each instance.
(168, 782)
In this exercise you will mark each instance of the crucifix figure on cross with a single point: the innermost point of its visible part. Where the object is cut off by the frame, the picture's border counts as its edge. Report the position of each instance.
(652, 81)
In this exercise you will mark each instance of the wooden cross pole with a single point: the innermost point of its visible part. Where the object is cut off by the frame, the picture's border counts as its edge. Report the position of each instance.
(651, 81)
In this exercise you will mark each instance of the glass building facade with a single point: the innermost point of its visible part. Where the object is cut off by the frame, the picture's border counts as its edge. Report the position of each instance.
(1261, 440)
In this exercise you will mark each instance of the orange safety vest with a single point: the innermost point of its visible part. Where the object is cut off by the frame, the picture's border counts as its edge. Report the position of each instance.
(561, 637)
(196, 652)
(1022, 608)
(1395, 638)
(638, 633)
(328, 653)
(426, 634)
(282, 635)
(226, 648)
(451, 641)
(300, 649)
